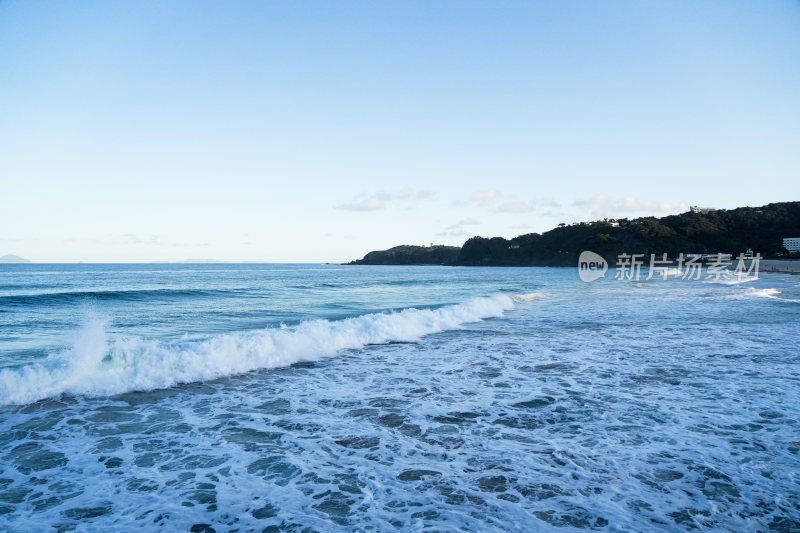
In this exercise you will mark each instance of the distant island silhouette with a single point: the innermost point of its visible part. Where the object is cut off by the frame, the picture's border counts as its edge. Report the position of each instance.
(11, 258)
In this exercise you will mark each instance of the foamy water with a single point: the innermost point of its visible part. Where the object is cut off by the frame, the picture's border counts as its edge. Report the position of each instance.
(97, 367)
(246, 397)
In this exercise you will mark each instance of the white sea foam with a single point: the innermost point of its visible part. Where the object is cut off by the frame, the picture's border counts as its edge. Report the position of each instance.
(668, 272)
(529, 297)
(763, 293)
(752, 292)
(98, 366)
(736, 280)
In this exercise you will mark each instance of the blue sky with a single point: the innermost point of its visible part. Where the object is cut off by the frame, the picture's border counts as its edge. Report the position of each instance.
(318, 131)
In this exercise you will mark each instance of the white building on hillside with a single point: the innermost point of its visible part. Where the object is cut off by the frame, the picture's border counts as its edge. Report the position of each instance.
(702, 210)
(792, 244)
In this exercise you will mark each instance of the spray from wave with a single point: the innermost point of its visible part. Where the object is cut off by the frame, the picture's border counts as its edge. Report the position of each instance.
(97, 366)
(752, 292)
(735, 280)
(528, 297)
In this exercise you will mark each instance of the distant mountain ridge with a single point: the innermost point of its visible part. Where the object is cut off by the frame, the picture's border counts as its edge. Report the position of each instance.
(722, 231)
(11, 258)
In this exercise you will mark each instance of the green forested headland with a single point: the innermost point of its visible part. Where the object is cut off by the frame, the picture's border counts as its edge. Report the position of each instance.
(732, 231)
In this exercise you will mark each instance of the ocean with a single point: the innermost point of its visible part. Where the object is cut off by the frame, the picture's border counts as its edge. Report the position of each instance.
(249, 397)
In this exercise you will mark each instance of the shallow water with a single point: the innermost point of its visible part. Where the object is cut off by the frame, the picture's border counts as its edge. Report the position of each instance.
(301, 397)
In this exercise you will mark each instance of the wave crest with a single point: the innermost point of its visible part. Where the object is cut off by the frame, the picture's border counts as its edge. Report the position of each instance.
(97, 366)
(528, 297)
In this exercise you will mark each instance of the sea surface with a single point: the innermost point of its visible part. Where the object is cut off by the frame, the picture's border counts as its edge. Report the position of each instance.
(337, 398)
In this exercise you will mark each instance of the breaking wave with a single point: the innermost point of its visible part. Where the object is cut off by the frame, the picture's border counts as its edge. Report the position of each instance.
(529, 297)
(97, 365)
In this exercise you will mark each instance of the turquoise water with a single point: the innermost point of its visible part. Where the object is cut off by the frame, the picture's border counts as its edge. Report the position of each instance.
(326, 397)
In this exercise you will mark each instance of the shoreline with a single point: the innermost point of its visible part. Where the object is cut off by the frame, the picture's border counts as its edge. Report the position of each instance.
(777, 266)
(782, 266)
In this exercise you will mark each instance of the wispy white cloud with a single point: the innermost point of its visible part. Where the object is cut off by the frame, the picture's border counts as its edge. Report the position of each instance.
(514, 207)
(480, 198)
(484, 196)
(603, 205)
(135, 238)
(379, 200)
(454, 231)
(410, 194)
(457, 229)
(526, 207)
(372, 203)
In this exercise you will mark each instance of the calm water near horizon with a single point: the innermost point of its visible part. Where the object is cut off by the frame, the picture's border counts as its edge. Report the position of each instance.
(239, 397)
